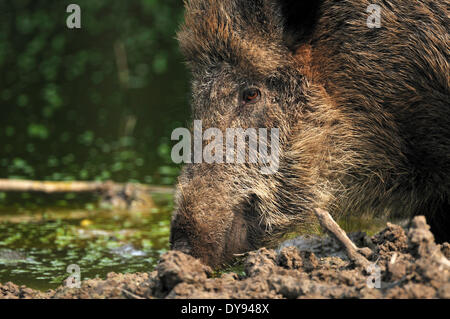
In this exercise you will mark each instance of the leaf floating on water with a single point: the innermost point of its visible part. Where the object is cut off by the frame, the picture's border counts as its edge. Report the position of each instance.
(86, 223)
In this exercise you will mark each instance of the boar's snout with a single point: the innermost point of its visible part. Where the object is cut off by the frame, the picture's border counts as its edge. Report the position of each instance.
(208, 222)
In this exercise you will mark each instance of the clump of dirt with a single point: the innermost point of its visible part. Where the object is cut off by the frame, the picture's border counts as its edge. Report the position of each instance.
(115, 286)
(403, 264)
(12, 291)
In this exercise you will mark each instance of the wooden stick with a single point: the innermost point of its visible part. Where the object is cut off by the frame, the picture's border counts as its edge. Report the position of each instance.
(128, 196)
(330, 226)
(50, 187)
(7, 185)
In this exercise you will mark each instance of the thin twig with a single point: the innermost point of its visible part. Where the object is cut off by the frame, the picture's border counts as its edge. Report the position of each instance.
(330, 226)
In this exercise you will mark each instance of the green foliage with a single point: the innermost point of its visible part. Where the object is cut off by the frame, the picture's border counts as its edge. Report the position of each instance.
(93, 103)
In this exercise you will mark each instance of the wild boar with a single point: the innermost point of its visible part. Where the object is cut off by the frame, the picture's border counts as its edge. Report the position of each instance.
(362, 110)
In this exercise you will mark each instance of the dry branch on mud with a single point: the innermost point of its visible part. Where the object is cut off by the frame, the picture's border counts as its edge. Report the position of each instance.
(354, 253)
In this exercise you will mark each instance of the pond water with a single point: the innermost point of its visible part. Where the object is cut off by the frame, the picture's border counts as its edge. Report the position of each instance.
(38, 244)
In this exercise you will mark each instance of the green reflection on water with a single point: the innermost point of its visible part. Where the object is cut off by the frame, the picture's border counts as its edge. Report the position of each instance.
(37, 245)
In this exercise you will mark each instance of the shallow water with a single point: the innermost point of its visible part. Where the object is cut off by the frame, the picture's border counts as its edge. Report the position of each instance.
(37, 245)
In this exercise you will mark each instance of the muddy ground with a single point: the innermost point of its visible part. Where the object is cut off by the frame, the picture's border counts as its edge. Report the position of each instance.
(410, 265)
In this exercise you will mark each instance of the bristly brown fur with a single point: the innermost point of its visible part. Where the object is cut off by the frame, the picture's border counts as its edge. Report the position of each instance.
(364, 116)
(222, 30)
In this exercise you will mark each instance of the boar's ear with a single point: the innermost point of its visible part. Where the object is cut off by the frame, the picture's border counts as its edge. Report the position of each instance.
(299, 19)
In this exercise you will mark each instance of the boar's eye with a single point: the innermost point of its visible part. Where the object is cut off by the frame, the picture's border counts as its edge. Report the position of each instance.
(250, 96)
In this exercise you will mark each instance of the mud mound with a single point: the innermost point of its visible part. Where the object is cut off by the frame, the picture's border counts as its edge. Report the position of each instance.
(402, 264)
(12, 291)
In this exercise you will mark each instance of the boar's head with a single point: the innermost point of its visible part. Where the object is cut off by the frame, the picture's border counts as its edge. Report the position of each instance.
(243, 76)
